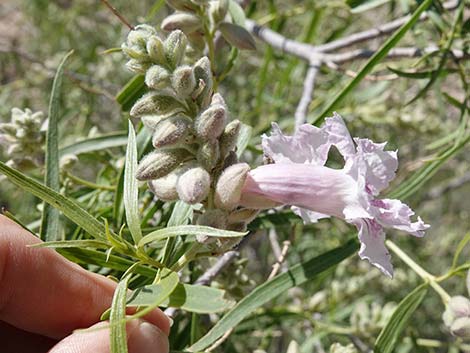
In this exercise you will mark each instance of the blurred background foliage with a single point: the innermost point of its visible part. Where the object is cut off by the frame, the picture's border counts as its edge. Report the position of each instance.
(349, 304)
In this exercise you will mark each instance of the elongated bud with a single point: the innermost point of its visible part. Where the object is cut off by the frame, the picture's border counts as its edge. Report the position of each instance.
(139, 35)
(175, 46)
(156, 50)
(457, 307)
(67, 161)
(159, 163)
(157, 77)
(137, 66)
(183, 81)
(212, 218)
(193, 186)
(165, 188)
(229, 186)
(218, 99)
(245, 215)
(218, 9)
(208, 154)
(155, 104)
(196, 40)
(184, 21)
(202, 72)
(171, 131)
(211, 123)
(182, 5)
(229, 137)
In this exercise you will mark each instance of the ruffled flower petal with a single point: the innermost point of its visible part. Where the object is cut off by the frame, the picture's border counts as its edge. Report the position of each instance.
(372, 238)
(395, 214)
(307, 215)
(380, 165)
(338, 135)
(309, 145)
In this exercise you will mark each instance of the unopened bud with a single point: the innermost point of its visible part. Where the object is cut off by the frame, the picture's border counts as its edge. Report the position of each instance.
(155, 104)
(175, 46)
(218, 9)
(229, 186)
(211, 123)
(183, 81)
(165, 188)
(218, 99)
(171, 131)
(157, 77)
(212, 218)
(140, 34)
(184, 21)
(338, 348)
(208, 154)
(193, 185)
(156, 50)
(461, 327)
(159, 163)
(68, 161)
(202, 72)
(8, 129)
(137, 66)
(196, 39)
(229, 137)
(457, 307)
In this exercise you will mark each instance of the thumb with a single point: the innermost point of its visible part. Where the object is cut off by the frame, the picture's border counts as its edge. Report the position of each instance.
(142, 337)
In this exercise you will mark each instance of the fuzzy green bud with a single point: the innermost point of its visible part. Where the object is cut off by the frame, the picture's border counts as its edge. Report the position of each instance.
(193, 185)
(457, 307)
(67, 161)
(228, 140)
(218, 99)
(171, 131)
(156, 50)
(245, 215)
(229, 186)
(208, 154)
(183, 81)
(155, 104)
(211, 123)
(338, 348)
(175, 46)
(218, 9)
(165, 188)
(137, 66)
(184, 21)
(157, 77)
(203, 75)
(159, 163)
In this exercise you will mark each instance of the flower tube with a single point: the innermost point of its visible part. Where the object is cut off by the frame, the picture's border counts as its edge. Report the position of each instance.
(299, 177)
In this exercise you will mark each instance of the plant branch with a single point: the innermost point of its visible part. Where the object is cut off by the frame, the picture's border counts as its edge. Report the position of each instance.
(117, 14)
(307, 93)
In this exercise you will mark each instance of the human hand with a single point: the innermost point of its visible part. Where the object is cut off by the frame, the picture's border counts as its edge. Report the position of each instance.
(44, 298)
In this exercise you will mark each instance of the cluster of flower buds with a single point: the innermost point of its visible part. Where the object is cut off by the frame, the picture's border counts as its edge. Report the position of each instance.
(23, 138)
(194, 158)
(457, 314)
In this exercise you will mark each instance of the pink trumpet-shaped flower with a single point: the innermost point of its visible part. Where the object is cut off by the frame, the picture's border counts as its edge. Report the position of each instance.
(299, 178)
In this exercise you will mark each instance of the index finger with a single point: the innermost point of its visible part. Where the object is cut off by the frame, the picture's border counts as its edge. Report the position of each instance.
(42, 292)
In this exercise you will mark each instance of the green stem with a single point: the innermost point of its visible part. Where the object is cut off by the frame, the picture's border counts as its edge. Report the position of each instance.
(187, 257)
(89, 184)
(419, 270)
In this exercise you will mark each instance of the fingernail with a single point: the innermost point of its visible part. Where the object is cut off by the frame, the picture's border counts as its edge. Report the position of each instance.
(148, 338)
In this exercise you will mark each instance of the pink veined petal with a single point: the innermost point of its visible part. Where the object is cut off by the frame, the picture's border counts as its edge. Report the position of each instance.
(307, 215)
(380, 165)
(309, 145)
(316, 188)
(339, 136)
(396, 214)
(372, 239)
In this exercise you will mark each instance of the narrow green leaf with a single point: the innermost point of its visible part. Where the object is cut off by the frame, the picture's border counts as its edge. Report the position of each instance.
(374, 60)
(358, 6)
(389, 335)
(418, 75)
(464, 241)
(189, 230)
(115, 139)
(99, 258)
(244, 137)
(68, 207)
(133, 90)
(131, 188)
(117, 318)
(50, 223)
(93, 244)
(192, 298)
(295, 276)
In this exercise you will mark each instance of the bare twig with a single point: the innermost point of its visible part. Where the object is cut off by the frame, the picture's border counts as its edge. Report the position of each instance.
(117, 14)
(218, 267)
(373, 33)
(276, 248)
(219, 341)
(280, 260)
(307, 93)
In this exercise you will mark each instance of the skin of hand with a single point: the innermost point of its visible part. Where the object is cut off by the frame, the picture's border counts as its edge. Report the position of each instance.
(44, 298)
